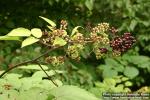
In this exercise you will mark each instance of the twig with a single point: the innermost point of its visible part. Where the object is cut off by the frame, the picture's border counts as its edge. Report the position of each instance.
(15, 66)
(29, 61)
(49, 77)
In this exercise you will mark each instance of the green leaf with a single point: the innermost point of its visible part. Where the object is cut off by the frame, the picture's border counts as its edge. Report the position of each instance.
(27, 83)
(3, 97)
(133, 24)
(128, 83)
(111, 62)
(114, 64)
(12, 76)
(48, 21)
(36, 32)
(19, 32)
(144, 65)
(72, 93)
(1, 72)
(50, 97)
(138, 59)
(145, 23)
(99, 84)
(34, 94)
(9, 95)
(51, 28)
(29, 41)
(59, 41)
(131, 72)
(75, 30)
(109, 73)
(9, 38)
(124, 78)
(47, 84)
(89, 4)
(36, 67)
(10, 79)
(119, 88)
(109, 82)
(50, 73)
(119, 68)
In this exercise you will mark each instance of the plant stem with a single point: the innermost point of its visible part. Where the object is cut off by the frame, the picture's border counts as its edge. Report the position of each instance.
(49, 77)
(29, 61)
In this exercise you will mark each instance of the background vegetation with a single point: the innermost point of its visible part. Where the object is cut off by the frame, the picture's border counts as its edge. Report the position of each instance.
(129, 72)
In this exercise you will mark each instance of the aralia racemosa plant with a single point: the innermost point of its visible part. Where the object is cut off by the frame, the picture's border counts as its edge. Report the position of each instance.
(103, 40)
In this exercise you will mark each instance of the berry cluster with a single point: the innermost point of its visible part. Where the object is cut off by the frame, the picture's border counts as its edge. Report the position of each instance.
(103, 50)
(99, 33)
(113, 30)
(63, 24)
(73, 51)
(101, 28)
(100, 52)
(122, 43)
(99, 37)
(55, 61)
(53, 35)
(78, 38)
(49, 37)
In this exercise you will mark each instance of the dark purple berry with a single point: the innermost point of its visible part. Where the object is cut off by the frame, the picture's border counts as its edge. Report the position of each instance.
(122, 43)
(103, 50)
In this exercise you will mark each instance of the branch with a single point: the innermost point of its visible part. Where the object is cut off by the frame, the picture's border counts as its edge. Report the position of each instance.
(49, 77)
(29, 61)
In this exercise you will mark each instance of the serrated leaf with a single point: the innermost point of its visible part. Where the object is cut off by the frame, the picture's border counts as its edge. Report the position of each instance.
(29, 41)
(131, 72)
(19, 32)
(36, 32)
(67, 92)
(9, 38)
(59, 41)
(48, 21)
(75, 30)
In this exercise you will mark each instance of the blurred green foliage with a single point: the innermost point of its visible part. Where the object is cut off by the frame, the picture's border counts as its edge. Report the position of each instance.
(129, 15)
